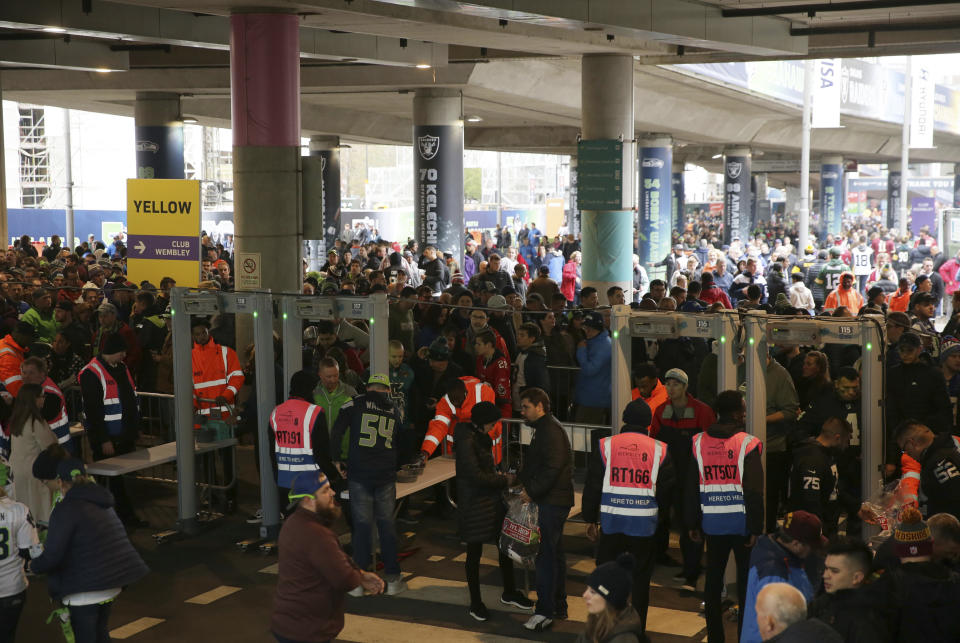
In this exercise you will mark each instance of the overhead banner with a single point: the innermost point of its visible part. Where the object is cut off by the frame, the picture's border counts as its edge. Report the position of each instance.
(438, 187)
(826, 93)
(159, 151)
(737, 198)
(831, 200)
(923, 214)
(163, 231)
(655, 222)
(330, 171)
(922, 108)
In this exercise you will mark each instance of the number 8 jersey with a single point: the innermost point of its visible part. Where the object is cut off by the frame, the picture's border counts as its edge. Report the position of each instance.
(17, 532)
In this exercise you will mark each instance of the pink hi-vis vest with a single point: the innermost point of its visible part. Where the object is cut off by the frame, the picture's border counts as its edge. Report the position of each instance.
(60, 424)
(112, 409)
(628, 503)
(292, 422)
(721, 481)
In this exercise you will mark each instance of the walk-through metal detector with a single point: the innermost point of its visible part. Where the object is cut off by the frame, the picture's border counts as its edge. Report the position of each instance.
(625, 324)
(296, 309)
(762, 331)
(184, 304)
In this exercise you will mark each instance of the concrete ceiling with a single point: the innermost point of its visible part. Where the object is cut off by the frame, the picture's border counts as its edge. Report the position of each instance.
(515, 61)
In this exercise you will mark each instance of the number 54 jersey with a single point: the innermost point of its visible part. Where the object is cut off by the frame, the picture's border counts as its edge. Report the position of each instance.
(369, 420)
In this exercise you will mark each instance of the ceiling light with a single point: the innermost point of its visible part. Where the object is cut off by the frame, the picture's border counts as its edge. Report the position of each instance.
(103, 70)
(189, 120)
(54, 29)
(716, 156)
(423, 66)
(474, 119)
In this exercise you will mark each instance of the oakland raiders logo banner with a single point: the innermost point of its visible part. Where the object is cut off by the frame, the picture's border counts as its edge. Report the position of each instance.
(438, 187)
(737, 199)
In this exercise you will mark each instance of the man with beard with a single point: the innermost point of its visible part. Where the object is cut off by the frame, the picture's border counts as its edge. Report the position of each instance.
(314, 571)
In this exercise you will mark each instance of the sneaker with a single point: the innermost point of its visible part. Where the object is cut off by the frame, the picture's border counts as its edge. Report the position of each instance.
(256, 518)
(395, 587)
(356, 592)
(689, 585)
(538, 623)
(480, 612)
(517, 599)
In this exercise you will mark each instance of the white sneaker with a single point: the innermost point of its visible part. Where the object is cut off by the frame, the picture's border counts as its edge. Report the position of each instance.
(538, 623)
(256, 518)
(356, 592)
(395, 587)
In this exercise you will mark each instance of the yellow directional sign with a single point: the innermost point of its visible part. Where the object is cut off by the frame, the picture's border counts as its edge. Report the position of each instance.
(163, 231)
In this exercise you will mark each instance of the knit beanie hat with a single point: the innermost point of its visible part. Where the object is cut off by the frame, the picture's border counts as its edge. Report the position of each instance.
(912, 537)
(614, 580)
(637, 413)
(950, 345)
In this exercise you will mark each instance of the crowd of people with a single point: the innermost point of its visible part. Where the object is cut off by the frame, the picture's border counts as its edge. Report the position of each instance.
(513, 332)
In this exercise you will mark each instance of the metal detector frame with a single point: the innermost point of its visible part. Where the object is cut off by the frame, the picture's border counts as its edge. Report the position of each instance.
(625, 324)
(188, 302)
(763, 330)
(296, 309)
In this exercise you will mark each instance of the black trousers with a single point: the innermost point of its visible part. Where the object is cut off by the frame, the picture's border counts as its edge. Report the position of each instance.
(778, 472)
(10, 609)
(691, 552)
(117, 484)
(644, 550)
(474, 551)
(718, 552)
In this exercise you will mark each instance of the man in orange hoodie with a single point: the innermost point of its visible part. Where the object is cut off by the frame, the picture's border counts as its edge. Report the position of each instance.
(649, 387)
(899, 301)
(845, 295)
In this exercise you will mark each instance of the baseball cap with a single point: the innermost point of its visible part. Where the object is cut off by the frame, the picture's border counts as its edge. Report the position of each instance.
(379, 378)
(805, 527)
(909, 340)
(497, 302)
(593, 320)
(307, 484)
(107, 307)
(677, 374)
(925, 298)
(68, 470)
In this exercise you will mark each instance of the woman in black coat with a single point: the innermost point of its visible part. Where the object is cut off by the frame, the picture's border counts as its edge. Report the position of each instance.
(481, 508)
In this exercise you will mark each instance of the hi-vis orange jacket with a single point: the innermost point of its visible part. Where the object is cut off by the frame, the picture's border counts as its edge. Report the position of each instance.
(447, 416)
(910, 481)
(216, 373)
(11, 357)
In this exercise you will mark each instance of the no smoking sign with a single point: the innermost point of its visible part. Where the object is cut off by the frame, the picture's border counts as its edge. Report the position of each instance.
(249, 274)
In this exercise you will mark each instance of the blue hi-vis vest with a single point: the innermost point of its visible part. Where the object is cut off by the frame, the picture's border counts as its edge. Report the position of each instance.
(292, 422)
(628, 503)
(112, 409)
(60, 424)
(721, 481)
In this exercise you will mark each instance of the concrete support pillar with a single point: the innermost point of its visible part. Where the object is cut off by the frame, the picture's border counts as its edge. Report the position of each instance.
(655, 221)
(956, 184)
(737, 202)
(607, 112)
(894, 195)
(438, 170)
(159, 134)
(4, 235)
(321, 197)
(677, 198)
(831, 196)
(265, 97)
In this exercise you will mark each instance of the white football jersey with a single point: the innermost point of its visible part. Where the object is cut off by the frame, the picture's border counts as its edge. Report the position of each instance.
(17, 532)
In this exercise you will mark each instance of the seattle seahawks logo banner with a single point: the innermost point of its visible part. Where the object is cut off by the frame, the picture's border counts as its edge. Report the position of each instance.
(655, 205)
(438, 187)
(737, 200)
(159, 152)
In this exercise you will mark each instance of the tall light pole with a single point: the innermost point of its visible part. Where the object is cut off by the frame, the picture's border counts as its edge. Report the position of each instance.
(804, 225)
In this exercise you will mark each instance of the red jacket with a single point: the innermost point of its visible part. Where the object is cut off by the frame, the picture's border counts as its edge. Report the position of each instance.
(568, 286)
(697, 417)
(714, 294)
(496, 373)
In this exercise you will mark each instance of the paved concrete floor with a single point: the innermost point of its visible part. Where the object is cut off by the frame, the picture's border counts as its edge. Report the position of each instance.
(204, 589)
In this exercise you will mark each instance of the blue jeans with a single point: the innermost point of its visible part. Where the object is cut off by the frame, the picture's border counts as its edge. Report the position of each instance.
(371, 504)
(551, 562)
(90, 622)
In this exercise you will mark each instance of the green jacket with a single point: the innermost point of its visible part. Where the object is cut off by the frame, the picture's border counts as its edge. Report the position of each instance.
(45, 324)
(331, 403)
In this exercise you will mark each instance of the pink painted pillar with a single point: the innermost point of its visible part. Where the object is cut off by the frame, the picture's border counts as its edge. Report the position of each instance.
(265, 105)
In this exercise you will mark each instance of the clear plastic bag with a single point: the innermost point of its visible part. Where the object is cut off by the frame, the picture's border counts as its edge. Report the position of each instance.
(520, 533)
(883, 508)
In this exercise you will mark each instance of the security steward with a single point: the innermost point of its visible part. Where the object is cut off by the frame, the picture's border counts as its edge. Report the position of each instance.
(217, 378)
(723, 502)
(455, 407)
(12, 350)
(298, 436)
(111, 414)
(628, 478)
(939, 465)
(813, 473)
